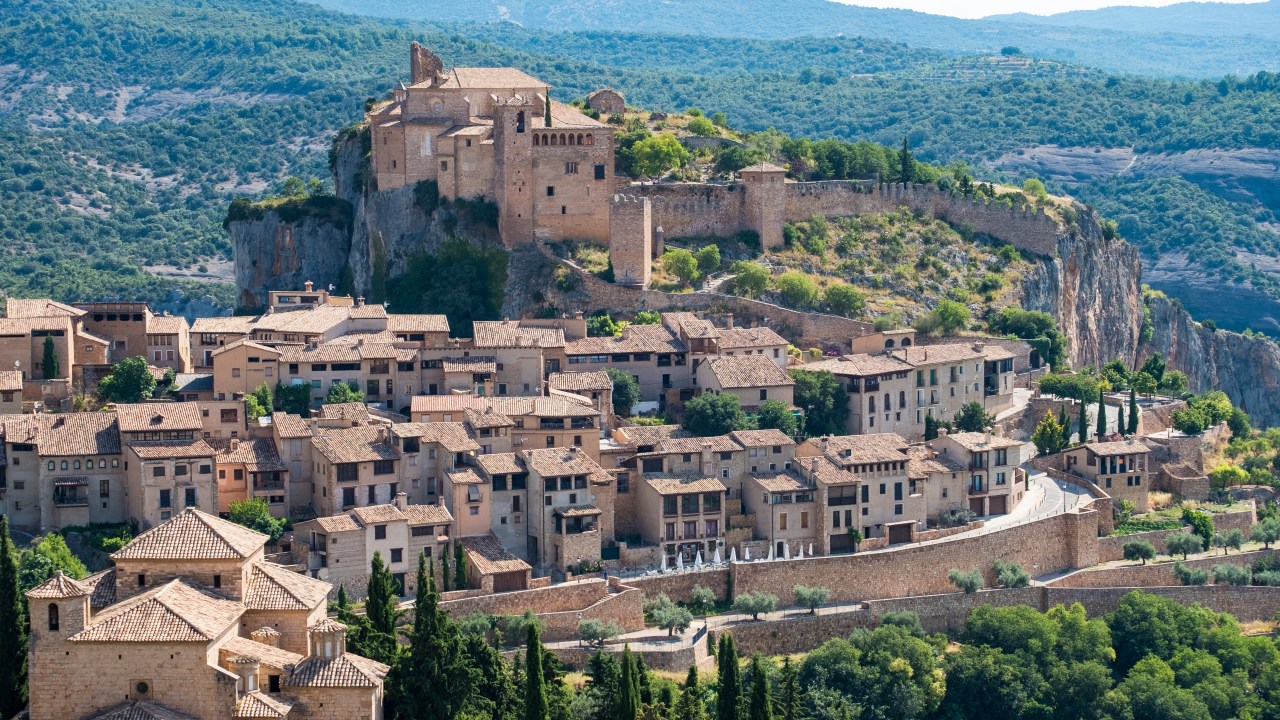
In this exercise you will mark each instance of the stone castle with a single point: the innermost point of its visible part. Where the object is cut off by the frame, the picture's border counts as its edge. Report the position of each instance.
(495, 134)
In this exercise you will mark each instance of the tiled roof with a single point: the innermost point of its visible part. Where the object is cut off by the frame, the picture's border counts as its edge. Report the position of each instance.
(925, 460)
(691, 325)
(256, 705)
(490, 78)
(694, 445)
(256, 454)
(140, 710)
(249, 344)
(471, 364)
(652, 434)
(354, 445)
(344, 671)
(266, 654)
(176, 611)
(336, 523)
(290, 426)
(464, 476)
(861, 365)
(367, 312)
(343, 349)
(762, 167)
(634, 339)
(65, 434)
(518, 406)
(10, 380)
(500, 463)
(759, 337)
(997, 352)
(562, 461)
(59, 586)
(157, 417)
(1119, 447)
(273, 587)
(510, 334)
(25, 326)
(427, 514)
(488, 557)
(679, 484)
(235, 324)
(193, 535)
(166, 325)
(781, 482)
(451, 436)
(374, 514)
(862, 449)
(934, 354)
(193, 382)
(39, 308)
(487, 419)
(578, 511)
(303, 321)
(356, 412)
(760, 438)
(748, 371)
(580, 381)
(976, 441)
(166, 449)
(567, 116)
(417, 323)
(101, 587)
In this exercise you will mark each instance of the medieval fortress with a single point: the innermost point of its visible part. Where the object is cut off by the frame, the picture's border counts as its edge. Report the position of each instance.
(494, 133)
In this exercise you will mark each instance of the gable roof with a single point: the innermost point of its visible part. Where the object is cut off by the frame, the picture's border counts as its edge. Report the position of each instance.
(634, 339)
(488, 557)
(193, 535)
(757, 337)
(140, 710)
(10, 380)
(63, 434)
(511, 334)
(274, 587)
(157, 417)
(169, 449)
(451, 436)
(748, 371)
(417, 323)
(563, 461)
(257, 705)
(343, 671)
(490, 78)
(39, 308)
(176, 611)
(354, 445)
(580, 381)
(290, 426)
(256, 454)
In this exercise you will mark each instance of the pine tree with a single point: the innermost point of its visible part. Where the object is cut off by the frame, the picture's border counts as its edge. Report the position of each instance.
(790, 702)
(1133, 412)
(436, 659)
(459, 567)
(628, 687)
(1082, 426)
(761, 705)
(1102, 414)
(729, 693)
(13, 630)
(49, 365)
(535, 691)
(380, 602)
(690, 705)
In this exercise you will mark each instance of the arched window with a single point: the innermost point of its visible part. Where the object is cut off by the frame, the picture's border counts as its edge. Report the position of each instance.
(562, 139)
(520, 121)
(589, 139)
(571, 139)
(888, 344)
(553, 139)
(906, 342)
(76, 464)
(64, 464)
(53, 616)
(51, 465)
(579, 138)
(888, 402)
(902, 399)
(537, 139)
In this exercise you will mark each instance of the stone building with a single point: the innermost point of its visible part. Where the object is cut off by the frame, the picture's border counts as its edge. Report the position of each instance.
(132, 329)
(1119, 467)
(996, 481)
(607, 101)
(23, 332)
(192, 623)
(61, 470)
(251, 468)
(753, 379)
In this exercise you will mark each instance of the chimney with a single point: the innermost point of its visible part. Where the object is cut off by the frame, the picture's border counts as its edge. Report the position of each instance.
(577, 315)
(728, 321)
(266, 636)
(402, 501)
(234, 444)
(308, 285)
(246, 668)
(978, 346)
(942, 432)
(360, 301)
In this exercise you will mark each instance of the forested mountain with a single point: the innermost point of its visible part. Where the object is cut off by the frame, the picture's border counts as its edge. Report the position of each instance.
(127, 129)
(1194, 18)
(1130, 48)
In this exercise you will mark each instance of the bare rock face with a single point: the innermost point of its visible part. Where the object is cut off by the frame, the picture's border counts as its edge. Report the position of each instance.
(272, 253)
(1093, 289)
(1246, 369)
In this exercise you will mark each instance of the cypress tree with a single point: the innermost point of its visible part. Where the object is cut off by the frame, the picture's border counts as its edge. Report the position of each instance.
(1122, 420)
(730, 690)
(444, 568)
(628, 688)
(907, 163)
(1102, 414)
(761, 705)
(13, 630)
(1133, 412)
(342, 602)
(436, 659)
(49, 365)
(380, 603)
(1065, 423)
(789, 703)
(642, 681)
(535, 691)
(459, 567)
(930, 426)
(690, 705)
(1082, 424)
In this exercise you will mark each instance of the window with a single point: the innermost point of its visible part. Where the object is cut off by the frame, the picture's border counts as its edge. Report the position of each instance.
(235, 372)
(63, 465)
(421, 531)
(571, 168)
(217, 581)
(691, 529)
(551, 191)
(669, 505)
(1002, 457)
(1000, 478)
(379, 532)
(273, 683)
(51, 465)
(782, 521)
(348, 497)
(624, 483)
(897, 509)
(205, 469)
(397, 555)
(384, 467)
(764, 394)
(599, 169)
(713, 528)
(53, 616)
(104, 488)
(444, 165)
(189, 497)
(142, 580)
(804, 520)
(166, 498)
(348, 472)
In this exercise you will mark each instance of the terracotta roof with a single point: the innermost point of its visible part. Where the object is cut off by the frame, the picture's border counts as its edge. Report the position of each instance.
(935, 354)
(140, 710)
(452, 436)
(762, 167)
(166, 325)
(273, 587)
(427, 514)
(59, 586)
(561, 461)
(925, 460)
(367, 312)
(193, 535)
(64, 434)
(472, 364)
(464, 476)
(634, 339)
(490, 78)
(518, 406)
(344, 671)
(336, 523)
(303, 321)
(10, 380)
(354, 445)
(176, 611)
(256, 705)
(266, 654)
(290, 426)
(39, 308)
(246, 343)
(101, 587)
(748, 371)
(976, 441)
(760, 438)
(327, 625)
(487, 419)
(488, 557)
(343, 349)
(680, 484)
(375, 514)
(694, 445)
(580, 381)
(256, 454)
(236, 324)
(691, 325)
(157, 417)
(165, 449)
(417, 323)
(997, 352)
(356, 412)
(861, 365)
(863, 449)
(1119, 447)
(500, 463)
(510, 334)
(578, 511)
(652, 434)
(781, 482)
(760, 337)
(567, 116)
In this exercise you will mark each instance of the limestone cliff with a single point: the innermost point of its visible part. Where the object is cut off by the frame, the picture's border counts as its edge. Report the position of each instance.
(1092, 287)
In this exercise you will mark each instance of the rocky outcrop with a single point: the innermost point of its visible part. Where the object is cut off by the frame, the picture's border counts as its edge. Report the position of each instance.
(278, 253)
(1247, 369)
(1092, 286)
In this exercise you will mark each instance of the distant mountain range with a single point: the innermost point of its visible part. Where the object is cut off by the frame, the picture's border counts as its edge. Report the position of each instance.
(1193, 40)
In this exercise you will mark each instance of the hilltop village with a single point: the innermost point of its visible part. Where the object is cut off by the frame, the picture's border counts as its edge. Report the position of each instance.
(559, 469)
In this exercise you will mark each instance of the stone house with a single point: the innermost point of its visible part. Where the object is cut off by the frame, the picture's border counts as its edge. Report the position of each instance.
(428, 452)
(353, 467)
(862, 483)
(292, 436)
(785, 510)
(683, 513)
(569, 524)
(131, 327)
(340, 548)
(384, 372)
(210, 333)
(251, 468)
(242, 366)
(1119, 467)
(10, 392)
(26, 325)
(168, 465)
(607, 101)
(564, 420)
(60, 470)
(652, 354)
(211, 630)
(753, 379)
(507, 478)
(996, 482)
(595, 386)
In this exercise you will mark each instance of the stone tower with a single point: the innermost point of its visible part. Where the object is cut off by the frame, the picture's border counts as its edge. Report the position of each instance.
(631, 240)
(764, 203)
(513, 165)
(424, 65)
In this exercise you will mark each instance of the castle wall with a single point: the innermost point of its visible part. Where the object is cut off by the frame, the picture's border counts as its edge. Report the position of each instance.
(570, 196)
(694, 210)
(631, 240)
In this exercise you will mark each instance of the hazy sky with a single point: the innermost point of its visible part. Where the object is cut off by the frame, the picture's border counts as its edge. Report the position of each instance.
(982, 8)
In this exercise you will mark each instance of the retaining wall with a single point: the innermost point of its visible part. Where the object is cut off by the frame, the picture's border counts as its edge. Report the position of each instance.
(1153, 574)
(679, 586)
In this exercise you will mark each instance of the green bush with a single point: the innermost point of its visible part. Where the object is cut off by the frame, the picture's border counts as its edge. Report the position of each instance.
(1190, 575)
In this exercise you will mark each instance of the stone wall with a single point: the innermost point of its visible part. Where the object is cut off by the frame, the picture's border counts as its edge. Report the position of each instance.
(679, 586)
(1112, 547)
(694, 210)
(624, 607)
(631, 240)
(1153, 574)
(564, 597)
(795, 632)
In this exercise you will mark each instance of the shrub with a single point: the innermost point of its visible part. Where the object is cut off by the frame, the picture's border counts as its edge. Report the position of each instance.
(681, 264)
(1183, 543)
(701, 599)
(597, 632)
(1266, 531)
(1011, 575)
(905, 619)
(1139, 550)
(956, 516)
(755, 603)
(1232, 575)
(970, 582)
(811, 597)
(1201, 524)
(845, 300)
(702, 127)
(750, 279)
(1190, 575)
(709, 258)
(797, 289)
(1269, 578)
